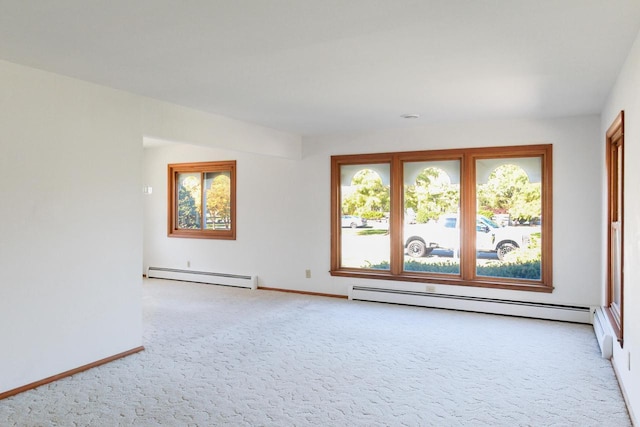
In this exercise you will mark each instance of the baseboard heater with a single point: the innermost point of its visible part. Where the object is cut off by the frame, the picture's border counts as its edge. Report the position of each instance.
(604, 333)
(483, 305)
(212, 278)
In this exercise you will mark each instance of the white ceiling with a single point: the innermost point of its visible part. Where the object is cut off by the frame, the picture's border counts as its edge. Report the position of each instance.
(325, 66)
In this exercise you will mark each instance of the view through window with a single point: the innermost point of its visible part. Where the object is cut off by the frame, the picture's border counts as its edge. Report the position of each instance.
(474, 217)
(202, 200)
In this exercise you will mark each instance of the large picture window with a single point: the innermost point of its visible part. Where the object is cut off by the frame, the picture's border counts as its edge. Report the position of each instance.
(478, 217)
(202, 200)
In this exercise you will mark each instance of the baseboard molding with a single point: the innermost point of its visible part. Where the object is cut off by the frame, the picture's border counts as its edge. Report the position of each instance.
(69, 373)
(293, 291)
(536, 310)
(209, 277)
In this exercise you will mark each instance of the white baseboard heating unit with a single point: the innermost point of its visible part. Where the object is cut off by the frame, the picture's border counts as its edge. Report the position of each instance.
(604, 334)
(238, 280)
(482, 305)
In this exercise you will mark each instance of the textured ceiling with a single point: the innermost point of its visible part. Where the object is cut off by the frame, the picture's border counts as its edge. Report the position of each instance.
(316, 67)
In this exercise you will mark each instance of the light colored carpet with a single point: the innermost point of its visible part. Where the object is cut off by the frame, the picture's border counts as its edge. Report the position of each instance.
(225, 356)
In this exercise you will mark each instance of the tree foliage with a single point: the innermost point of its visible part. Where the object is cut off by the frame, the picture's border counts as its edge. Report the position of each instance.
(219, 199)
(370, 196)
(432, 195)
(508, 191)
(188, 215)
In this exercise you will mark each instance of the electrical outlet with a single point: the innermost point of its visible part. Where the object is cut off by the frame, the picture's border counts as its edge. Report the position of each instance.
(430, 288)
(307, 274)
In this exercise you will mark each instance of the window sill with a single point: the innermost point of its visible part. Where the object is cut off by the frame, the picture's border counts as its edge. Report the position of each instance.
(200, 234)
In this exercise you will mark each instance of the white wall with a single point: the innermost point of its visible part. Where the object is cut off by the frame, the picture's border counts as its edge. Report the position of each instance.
(284, 212)
(268, 217)
(71, 217)
(171, 122)
(626, 96)
(70, 224)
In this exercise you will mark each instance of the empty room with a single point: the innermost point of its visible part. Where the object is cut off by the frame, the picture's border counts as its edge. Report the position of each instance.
(291, 212)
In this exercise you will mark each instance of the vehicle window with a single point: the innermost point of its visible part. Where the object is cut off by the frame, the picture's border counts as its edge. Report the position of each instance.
(489, 222)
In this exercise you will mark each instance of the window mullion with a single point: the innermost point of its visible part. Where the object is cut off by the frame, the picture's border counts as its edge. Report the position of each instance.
(468, 208)
(396, 219)
(203, 216)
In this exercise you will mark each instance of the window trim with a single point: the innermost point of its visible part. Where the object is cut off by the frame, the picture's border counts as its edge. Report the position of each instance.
(615, 208)
(199, 167)
(467, 159)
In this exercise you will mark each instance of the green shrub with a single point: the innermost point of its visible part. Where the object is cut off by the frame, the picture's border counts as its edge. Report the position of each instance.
(523, 270)
(515, 270)
(424, 216)
(529, 254)
(372, 215)
(436, 267)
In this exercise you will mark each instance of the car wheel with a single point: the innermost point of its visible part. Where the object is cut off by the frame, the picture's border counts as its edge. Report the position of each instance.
(354, 225)
(505, 248)
(416, 249)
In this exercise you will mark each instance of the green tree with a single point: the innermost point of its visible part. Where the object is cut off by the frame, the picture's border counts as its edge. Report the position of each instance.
(188, 215)
(509, 191)
(369, 195)
(432, 195)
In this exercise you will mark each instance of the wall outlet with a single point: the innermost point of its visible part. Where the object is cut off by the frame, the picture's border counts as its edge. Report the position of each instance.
(430, 288)
(307, 274)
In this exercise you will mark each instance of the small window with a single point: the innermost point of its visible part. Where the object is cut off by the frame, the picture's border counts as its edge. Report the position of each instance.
(202, 200)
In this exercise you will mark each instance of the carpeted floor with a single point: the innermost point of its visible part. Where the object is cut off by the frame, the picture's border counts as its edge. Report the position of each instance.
(224, 356)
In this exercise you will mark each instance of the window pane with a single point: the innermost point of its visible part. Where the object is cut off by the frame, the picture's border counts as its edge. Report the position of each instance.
(189, 204)
(431, 206)
(365, 241)
(508, 232)
(218, 200)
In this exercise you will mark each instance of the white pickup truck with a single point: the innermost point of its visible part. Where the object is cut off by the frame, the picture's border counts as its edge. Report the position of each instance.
(422, 239)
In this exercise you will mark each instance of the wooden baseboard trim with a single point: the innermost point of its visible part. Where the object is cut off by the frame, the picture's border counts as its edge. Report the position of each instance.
(69, 373)
(293, 291)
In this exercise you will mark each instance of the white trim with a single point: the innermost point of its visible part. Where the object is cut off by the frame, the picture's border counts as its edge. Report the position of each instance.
(483, 305)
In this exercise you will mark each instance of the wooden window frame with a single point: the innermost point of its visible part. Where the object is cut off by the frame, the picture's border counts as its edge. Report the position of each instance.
(467, 157)
(201, 168)
(615, 209)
